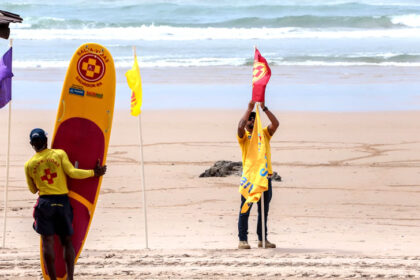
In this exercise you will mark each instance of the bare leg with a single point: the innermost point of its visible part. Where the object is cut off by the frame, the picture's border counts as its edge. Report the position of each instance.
(49, 255)
(69, 255)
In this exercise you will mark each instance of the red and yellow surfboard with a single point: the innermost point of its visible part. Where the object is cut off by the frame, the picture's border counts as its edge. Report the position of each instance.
(82, 129)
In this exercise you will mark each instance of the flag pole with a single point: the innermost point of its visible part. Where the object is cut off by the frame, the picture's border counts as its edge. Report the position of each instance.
(6, 189)
(143, 186)
(142, 175)
(262, 202)
(263, 219)
(262, 212)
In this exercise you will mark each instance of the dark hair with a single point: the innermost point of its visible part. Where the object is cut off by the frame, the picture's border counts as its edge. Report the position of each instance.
(38, 138)
(252, 116)
(39, 142)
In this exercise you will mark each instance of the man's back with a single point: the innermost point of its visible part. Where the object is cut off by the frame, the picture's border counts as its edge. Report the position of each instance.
(46, 171)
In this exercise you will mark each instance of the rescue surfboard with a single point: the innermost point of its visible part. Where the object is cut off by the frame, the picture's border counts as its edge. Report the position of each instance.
(83, 129)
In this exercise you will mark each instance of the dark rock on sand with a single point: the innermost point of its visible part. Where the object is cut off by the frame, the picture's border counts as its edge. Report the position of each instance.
(223, 168)
(276, 177)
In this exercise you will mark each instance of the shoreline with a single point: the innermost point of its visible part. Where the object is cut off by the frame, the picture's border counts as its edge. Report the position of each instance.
(329, 89)
(243, 74)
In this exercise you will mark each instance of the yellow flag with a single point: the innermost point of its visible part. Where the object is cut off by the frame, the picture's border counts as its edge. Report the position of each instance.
(255, 170)
(134, 82)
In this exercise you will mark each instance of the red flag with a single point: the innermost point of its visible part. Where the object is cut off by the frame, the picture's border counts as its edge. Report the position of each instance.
(260, 77)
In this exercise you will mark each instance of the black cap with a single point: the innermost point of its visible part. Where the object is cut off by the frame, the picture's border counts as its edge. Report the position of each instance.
(37, 133)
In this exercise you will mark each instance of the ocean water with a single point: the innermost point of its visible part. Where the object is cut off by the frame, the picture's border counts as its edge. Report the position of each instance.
(217, 32)
(185, 33)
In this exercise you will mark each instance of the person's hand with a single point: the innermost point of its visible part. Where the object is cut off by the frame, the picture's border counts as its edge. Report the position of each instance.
(99, 170)
(262, 104)
(251, 105)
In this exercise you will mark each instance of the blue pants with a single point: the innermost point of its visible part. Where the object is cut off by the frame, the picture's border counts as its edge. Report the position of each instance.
(243, 218)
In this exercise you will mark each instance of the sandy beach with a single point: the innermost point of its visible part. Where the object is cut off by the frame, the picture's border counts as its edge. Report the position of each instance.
(346, 208)
(344, 85)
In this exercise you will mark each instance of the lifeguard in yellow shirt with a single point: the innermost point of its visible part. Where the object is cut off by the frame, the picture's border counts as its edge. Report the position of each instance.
(245, 128)
(46, 174)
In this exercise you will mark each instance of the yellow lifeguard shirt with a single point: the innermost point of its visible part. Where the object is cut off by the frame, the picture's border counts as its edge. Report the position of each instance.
(46, 172)
(244, 144)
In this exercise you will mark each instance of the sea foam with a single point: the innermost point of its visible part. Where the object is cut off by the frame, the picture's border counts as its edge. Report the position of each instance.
(157, 33)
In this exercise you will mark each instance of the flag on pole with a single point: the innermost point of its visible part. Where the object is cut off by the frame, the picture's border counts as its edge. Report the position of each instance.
(255, 170)
(260, 76)
(6, 78)
(134, 82)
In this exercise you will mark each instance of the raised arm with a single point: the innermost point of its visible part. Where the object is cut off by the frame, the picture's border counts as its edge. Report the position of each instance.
(244, 119)
(272, 127)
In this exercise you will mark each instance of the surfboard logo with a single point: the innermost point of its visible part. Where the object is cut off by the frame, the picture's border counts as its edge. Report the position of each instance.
(91, 67)
(259, 71)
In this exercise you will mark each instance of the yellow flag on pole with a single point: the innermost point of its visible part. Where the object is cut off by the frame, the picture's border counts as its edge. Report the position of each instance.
(255, 170)
(134, 82)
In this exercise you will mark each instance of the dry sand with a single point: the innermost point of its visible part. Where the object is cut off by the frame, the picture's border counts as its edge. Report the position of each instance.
(347, 207)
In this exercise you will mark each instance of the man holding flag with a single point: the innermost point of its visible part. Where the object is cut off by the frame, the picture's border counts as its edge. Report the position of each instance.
(254, 141)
